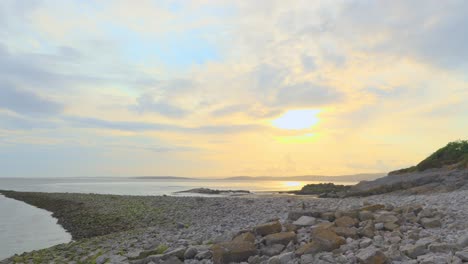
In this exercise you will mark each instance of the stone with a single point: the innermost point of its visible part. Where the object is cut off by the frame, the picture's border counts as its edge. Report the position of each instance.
(442, 247)
(386, 218)
(206, 254)
(390, 226)
(172, 260)
(280, 238)
(430, 222)
(379, 226)
(307, 259)
(413, 251)
(245, 237)
(367, 230)
(272, 250)
(365, 215)
(346, 231)
(232, 252)
(273, 260)
(178, 253)
(373, 208)
(190, 253)
(365, 242)
(463, 241)
(294, 215)
(304, 221)
(268, 228)
(290, 227)
(345, 221)
(329, 216)
(321, 240)
(371, 255)
(285, 258)
(463, 255)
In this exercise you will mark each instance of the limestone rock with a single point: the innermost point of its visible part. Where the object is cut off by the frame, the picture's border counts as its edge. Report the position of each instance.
(233, 252)
(413, 251)
(373, 208)
(345, 221)
(430, 222)
(304, 221)
(322, 240)
(272, 250)
(346, 231)
(245, 237)
(280, 238)
(371, 255)
(268, 228)
(463, 255)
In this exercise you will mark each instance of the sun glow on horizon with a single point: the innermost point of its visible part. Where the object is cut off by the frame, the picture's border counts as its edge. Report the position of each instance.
(297, 119)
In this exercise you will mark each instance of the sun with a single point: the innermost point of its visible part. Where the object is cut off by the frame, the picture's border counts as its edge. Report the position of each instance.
(297, 119)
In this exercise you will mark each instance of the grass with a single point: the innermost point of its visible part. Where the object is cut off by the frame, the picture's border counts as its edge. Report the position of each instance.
(453, 155)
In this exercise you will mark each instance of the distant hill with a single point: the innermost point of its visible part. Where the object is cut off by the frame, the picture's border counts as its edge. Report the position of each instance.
(343, 178)
(453, 155)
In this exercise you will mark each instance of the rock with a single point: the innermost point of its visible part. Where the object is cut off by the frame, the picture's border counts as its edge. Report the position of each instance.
(233, 252)
(190, 253)
(329, 216)
(373, 208)
(272, 250)
(172, 260)
(285, 258)
(365, 215)
(390, 226)
(379, 226)
(442, 247)
(367, 230)
(294, 215)
(326, 225)
(290, 227)
(386, 218)
(365, 242)
(463, 255)
(322, 240)
(413, 251)
(346, 232)
(430, 222)
(307, 259)
(273, 260)
(268, 228)
(178, 253)
(463, 241)
(304, 221)
(204, 255)
(345, 221)
(280, 238)
(371, 255)
(245, 237)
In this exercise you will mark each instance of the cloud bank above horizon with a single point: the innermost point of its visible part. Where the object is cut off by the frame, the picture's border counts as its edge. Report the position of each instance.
(226, 88)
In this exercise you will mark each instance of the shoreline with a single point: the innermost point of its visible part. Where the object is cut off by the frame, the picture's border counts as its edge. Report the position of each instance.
(135, 223)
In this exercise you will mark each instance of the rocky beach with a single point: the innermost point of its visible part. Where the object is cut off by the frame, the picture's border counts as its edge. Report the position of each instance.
(388, 228)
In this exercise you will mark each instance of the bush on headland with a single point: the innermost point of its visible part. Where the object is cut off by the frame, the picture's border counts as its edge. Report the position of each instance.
(453, 155)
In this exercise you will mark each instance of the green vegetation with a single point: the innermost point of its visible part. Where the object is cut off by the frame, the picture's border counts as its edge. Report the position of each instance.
(454, 155)
(316, 189)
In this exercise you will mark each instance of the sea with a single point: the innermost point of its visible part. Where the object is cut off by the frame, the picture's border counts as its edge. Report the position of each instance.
(24, 228)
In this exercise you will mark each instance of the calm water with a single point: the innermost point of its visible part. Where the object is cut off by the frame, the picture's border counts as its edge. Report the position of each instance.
(25, 228)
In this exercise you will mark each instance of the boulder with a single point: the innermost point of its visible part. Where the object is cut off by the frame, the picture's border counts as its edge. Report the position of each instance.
(304, 221)
(321, 240)
(346, 231)
(345, 221)
(430, 222)
(178, 253)
(371, 255)
(280, 238)
(190, 253)
(227, 252)
(442, 247)
(268, 228)
(365, 215)
(386, 218)
(413, 251)
(367, 230)
(245, 237)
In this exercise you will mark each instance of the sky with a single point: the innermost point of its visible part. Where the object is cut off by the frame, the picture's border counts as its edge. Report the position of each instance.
(220, 88)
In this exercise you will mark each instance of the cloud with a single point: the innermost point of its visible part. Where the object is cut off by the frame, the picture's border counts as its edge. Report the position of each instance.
(89, 122)
(27, 103)
(12, 122)
(146, 103)
(307, 95)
